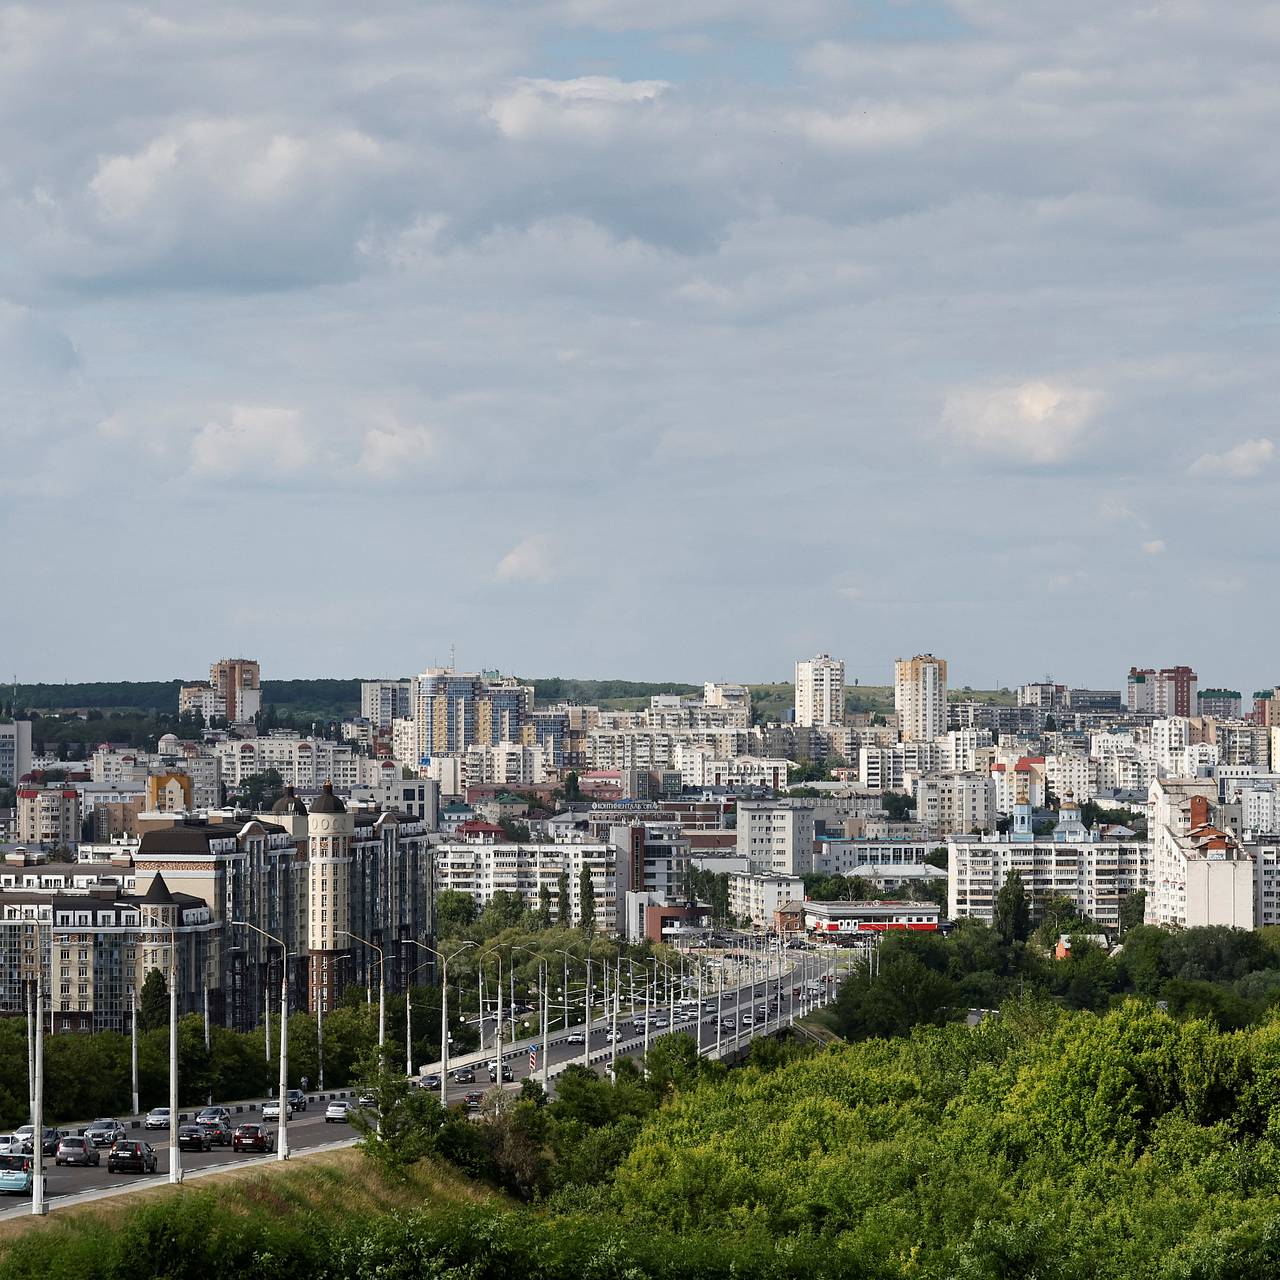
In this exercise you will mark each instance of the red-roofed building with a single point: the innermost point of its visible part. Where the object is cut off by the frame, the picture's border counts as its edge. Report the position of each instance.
(49, 815)
(1023, 782)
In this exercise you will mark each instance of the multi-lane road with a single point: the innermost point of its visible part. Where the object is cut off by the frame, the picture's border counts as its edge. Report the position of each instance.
(720, 1027)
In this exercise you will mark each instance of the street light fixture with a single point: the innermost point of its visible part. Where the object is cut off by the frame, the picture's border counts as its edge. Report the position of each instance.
(175, 1152)
(282, 1137)
(382, 982)
(444, 1012)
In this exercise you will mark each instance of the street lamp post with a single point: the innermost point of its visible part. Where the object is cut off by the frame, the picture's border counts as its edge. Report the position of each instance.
(546, 1010)
(444, 1012)
(282, 1134)
(382, 983)
(175, 1152)
(133, 1046)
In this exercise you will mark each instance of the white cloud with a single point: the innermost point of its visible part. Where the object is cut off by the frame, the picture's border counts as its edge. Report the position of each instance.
(1033, 422)
(394, 447)
(591, 106)
(1155, 547)
(530, 560)
(1241, 462)
(256, 438)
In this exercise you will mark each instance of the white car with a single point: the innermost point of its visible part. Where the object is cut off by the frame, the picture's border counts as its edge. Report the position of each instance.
(157, 1118)
(337, 1113)
(575, 1037)
(271, 1110)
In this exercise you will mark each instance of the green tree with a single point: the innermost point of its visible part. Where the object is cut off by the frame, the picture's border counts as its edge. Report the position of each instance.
(259, 791)
(456, 912)
(153, 1002)
(572, 789)
(544, 907)
(899, 806)
(1133, 910)
(586, 901)
(1012, 914)
(564, 912)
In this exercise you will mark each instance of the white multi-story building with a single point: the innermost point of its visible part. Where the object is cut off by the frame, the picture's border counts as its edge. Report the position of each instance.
(756, 898)
(716, 693)
(819, 691)
(481, 868)
(382, 701)
(920, 697)
(1072, 773)
(1094, 873)
(1021, 781)
(834, 857)
(15, 750)
(700, 768)
(654, 749)
(777, 839)
(507, 764)
(1200, 874)
(304, 763)
(961, 747)
(956, 802)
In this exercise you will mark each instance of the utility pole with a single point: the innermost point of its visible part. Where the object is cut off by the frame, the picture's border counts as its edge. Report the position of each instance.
(133, 1046)
(38, 1206)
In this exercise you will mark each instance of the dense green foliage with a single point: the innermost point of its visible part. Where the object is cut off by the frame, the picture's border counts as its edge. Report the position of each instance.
(1231, 976)
(1046, 1143)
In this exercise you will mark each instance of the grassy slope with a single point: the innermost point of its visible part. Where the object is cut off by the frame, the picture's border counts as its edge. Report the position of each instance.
(306, 1184)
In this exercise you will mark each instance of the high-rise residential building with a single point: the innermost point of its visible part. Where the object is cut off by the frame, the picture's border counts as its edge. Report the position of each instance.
(455, 710)
(15, 750)
(1095, 871)
(1170, 691)
(382, 701)
(49, 815)
(775, 838)
(1223, 704)
(238, 684)
(920, 697)
(820, 691)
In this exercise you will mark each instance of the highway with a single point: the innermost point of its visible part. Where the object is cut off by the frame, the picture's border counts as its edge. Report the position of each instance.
(800, 989)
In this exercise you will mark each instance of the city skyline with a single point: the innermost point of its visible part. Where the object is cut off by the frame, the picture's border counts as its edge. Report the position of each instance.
(949, 322)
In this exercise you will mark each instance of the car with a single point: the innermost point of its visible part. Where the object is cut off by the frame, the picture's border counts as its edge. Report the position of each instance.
(726, 1024)
(493, 1073)
(104, 1132)
(76, 1151)
(297, 1100)
(213, 1113)
(367, 1100)
(194, 1137)
(473, 1101)
(271, 1110)
(429, 1082)
(253, 1137)
(748, 1020)
(219, 1131)
(17, 1174)
(575, 1037)
(9, 1143)
(337, 1113)
(157, 1118)
(464, 1075)
(638, 1023)
(131, 1156)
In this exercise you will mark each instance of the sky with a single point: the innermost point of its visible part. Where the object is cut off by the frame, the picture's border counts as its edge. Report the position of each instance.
(632, 338)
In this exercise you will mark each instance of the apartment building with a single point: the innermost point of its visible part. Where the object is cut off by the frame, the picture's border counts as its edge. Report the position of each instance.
(699, 767)
(383, 701)
(1022, 781)
(303, 763)
(955, 802)
(510, 764)
(776, 838)
(920, 697)
(1200, 873)
(1095, 872)
(480, 868)
(1071, 773)
(834, 856)
(239, 686)
(1170, 691)
(819, 693)
(756, 898)
(49, 815)
(15, 750)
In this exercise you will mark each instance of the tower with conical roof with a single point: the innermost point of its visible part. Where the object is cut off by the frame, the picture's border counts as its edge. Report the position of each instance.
(330, 830)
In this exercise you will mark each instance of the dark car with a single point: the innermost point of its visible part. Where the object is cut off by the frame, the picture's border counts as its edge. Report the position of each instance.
(76, 1151)
(219, 1131)
(506, 1073)
(49, 1146)
(297, 1100)
(429, 1082)
(253, 1137)
(105, 1132)
(131, 1157)
(473, 1101)
(464, 1075)
(213, 1113)
(194, 1137)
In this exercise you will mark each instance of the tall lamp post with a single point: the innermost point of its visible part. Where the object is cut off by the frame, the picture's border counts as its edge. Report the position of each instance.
(282, 1137)
(382, 983)
(175, 1152)
(444, 1012)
